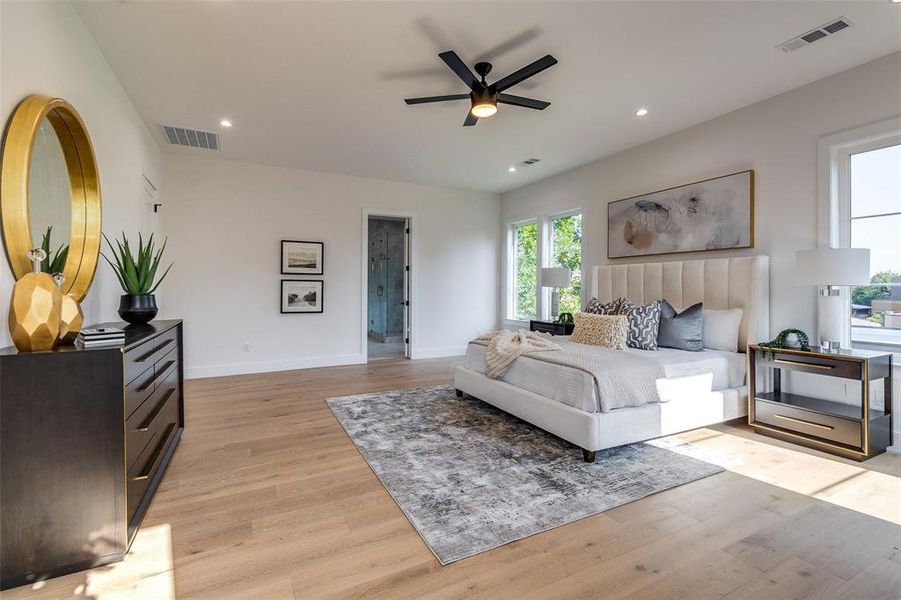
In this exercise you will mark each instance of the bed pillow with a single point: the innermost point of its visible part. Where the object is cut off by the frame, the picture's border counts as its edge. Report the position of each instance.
(684, 330)
(644, 323)
(608, 331)
(721, 329)
(614, 307)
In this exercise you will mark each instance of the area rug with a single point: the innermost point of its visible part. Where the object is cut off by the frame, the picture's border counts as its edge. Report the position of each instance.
(471, 478)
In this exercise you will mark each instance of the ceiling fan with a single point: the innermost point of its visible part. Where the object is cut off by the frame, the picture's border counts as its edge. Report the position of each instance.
(484, 97)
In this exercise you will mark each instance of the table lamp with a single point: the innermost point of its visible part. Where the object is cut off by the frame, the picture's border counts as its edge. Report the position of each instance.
(556, 278)
(830, 268)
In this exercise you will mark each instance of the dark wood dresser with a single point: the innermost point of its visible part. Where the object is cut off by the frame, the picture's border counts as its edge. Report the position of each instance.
(85, 438)
(858, 428)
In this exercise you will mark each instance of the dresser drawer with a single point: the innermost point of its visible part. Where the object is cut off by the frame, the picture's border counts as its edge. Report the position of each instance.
(813, 364)
(142, 424)
(142, 472)
(827, 427)
(139, 359)
(165, 344)
(139, 390)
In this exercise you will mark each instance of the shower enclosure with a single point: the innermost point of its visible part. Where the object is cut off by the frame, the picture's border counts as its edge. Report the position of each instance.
(387, 287)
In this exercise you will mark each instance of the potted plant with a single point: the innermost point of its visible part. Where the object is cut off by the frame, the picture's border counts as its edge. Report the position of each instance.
(136, 276)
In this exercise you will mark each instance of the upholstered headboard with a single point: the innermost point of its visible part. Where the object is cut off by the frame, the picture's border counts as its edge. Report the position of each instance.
(719, 283)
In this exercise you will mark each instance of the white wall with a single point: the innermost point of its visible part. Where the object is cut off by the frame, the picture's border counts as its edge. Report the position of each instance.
(776, 137)
(225, 221)
(46, 49)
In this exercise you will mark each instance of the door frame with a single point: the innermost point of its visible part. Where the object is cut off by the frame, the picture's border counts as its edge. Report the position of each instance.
(413, 292)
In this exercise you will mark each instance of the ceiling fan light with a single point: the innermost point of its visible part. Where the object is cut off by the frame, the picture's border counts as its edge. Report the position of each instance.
(484, 108)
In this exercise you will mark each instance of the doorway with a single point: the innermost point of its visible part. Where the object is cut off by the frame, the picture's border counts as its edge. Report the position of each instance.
(387, 288)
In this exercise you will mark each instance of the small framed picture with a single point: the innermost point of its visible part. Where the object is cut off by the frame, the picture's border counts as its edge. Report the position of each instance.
(302, 258)
(301, 296)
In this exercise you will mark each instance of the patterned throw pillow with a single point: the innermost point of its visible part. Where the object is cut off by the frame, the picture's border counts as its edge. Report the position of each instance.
(608, 331)
(644, 323)
(614, 307)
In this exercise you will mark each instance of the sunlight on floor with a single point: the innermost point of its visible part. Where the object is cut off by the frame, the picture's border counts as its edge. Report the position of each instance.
(145, 574)
(850, 486)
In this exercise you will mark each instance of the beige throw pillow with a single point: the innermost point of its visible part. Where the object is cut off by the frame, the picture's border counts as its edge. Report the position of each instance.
(609, 331)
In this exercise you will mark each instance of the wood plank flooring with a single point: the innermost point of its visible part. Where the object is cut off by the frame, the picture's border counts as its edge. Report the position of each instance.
(268, 498)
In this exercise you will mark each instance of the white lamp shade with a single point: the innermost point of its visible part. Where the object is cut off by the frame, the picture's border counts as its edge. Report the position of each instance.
(556, 277)
(833, 266)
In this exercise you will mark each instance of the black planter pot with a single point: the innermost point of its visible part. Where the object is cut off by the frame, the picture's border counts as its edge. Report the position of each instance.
(137, 310)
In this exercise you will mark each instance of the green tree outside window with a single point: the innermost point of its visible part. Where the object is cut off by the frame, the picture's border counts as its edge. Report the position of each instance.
(567, 252)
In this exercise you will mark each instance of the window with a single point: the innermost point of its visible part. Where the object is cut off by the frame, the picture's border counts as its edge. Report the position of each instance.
(860, 207)
(566, 251)
(552, 241)
(524, 266)
(874, 216)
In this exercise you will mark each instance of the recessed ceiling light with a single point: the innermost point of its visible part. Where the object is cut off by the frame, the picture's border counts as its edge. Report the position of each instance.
(512, 169)
(641, 112)
(225, 123)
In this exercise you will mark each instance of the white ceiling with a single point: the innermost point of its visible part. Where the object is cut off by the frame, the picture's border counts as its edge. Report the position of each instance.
(320, 85)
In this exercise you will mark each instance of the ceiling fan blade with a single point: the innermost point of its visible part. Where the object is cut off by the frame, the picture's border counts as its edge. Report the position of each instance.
(428, 99)
(524, 73)
(471, 120)
(524, 102)
(459, 67)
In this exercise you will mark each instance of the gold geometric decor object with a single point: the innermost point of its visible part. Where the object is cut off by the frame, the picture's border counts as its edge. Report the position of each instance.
(17, 206)
(71, 319)
(34, 312)
(35, 308)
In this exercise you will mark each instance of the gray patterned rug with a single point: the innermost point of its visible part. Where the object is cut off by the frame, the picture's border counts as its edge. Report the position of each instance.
(471, 478)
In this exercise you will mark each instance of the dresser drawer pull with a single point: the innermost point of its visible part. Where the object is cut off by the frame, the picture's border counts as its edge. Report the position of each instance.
(151, 464)
(156, 376)
(798, 363)
(803, 422)
(166, 343)
(156, 410)
(145, 356)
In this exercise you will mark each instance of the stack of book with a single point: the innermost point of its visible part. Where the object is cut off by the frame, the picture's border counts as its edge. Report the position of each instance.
(100, 336)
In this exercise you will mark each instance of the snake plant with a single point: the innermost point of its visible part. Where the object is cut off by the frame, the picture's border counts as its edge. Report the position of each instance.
(55, 264)
(136, 273)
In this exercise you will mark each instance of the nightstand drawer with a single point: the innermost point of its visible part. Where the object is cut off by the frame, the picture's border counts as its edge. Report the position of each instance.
(790, 418)
(813, 364)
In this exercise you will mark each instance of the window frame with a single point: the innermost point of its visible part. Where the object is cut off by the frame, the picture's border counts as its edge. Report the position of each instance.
(547, 258)
(544, 256)
(834, 190)
(510, 279)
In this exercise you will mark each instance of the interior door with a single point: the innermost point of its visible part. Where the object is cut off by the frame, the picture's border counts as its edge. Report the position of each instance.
(407, 288)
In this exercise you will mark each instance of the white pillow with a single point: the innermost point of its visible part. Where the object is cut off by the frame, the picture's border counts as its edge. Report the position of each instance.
(721, 329)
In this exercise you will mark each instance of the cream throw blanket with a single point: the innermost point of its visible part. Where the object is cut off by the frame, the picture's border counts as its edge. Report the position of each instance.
(506, 346)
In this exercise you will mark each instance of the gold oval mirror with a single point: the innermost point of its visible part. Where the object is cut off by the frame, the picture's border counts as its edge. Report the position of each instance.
(50, 192)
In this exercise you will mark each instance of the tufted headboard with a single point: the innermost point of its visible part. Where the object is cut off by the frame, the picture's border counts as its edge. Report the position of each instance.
(719, 283)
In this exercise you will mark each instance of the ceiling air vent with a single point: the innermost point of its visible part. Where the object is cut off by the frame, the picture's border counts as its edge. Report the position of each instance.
(191, 138)
(796, 43)
(527, 162)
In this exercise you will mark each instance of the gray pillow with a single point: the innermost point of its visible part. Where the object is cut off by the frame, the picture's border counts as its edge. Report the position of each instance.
(684, 330)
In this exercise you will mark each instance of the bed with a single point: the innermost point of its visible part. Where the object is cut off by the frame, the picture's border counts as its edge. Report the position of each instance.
(697, 389)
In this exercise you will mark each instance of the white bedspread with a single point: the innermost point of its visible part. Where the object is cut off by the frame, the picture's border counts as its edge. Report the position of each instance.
(710, 370)
(622, 379)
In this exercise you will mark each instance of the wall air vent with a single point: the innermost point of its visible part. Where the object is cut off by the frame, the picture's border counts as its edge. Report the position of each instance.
(191, 138)
(527, 162)
(814, 35)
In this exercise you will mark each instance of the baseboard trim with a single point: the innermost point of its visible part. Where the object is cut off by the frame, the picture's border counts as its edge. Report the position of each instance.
(273, 366)
(439, 352)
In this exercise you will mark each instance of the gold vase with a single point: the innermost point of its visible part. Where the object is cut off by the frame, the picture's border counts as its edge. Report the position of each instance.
(34, 312)
(71, 319)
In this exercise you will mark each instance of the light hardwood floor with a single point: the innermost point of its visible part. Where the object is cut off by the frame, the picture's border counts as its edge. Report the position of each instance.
(268, 498)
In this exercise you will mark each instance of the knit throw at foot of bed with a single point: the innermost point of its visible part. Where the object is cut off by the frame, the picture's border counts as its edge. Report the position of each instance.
(471, 478)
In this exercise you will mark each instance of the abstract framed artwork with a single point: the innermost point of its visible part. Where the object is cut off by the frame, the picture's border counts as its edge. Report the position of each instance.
(302, 258)
(301, 296)
(713, 214)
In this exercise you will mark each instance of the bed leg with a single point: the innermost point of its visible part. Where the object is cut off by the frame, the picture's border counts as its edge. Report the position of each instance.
(459, 393)
(588, 455)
